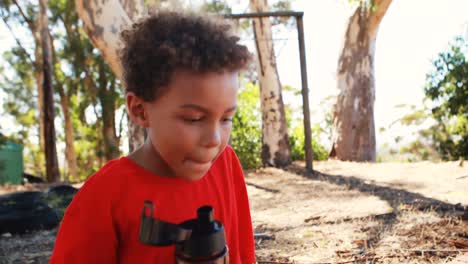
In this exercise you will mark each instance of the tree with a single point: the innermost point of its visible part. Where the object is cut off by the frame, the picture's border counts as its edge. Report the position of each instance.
(61, 11)
(81, 82)
(103, 21)
(26, 15)
(445, 109)
(353, 116)
(79, 56)
(275, 145)
(52, 167)
(20, 87)
(447, 88)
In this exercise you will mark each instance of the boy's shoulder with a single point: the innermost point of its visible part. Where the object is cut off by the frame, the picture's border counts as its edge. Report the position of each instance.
(110, 173)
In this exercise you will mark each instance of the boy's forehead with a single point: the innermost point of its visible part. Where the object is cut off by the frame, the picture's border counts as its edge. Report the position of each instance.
(202, 75)
(218, 88)
(191, 79)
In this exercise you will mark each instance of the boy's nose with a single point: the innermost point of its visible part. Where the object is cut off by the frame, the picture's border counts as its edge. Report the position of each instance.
(212, 138)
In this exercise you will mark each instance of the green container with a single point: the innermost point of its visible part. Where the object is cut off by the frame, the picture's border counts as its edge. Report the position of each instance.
(11, 163)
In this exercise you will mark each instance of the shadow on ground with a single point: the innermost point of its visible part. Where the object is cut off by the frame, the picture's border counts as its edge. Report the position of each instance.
(399, 199)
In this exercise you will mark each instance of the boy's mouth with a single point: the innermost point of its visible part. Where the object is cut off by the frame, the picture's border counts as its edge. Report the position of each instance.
(200, 161)
(198, 165)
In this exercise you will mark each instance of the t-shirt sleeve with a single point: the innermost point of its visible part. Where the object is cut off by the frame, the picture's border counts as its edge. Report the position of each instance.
(246, 238)
(87, 233)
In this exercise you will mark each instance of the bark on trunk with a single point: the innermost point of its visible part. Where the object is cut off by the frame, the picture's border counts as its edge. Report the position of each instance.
(135, 9)
(353, 117)
(70, 153)
(104, 20)
(39, 76)
(106, 94)
(275, 143)
(52, 169)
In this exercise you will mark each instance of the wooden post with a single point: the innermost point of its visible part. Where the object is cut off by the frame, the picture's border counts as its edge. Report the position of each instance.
(305, 90)
(309, 155)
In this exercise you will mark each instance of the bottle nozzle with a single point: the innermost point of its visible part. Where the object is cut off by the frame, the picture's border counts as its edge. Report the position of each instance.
(205, 214)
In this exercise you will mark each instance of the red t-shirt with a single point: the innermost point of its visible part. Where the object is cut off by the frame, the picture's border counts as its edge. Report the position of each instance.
(101, 224)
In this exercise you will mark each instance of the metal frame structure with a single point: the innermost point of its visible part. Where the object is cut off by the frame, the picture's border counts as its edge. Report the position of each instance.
(305, 90)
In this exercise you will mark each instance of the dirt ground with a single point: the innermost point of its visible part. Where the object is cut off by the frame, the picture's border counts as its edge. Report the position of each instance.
(343, 213)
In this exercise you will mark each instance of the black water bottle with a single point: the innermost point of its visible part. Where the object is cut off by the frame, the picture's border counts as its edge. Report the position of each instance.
(207, 243)
(200, 240)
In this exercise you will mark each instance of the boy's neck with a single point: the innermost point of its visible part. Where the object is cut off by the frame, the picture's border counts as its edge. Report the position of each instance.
(149, 159)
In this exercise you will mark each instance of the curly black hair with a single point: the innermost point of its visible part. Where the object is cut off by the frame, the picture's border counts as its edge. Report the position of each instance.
(156, 46)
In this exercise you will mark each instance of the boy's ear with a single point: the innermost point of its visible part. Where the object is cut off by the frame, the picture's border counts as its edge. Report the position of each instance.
(136, 110)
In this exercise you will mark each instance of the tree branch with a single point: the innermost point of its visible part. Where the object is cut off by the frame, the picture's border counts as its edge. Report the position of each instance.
(29, 21)
(58, 84)
(134, 8)
(381, 7)
(17, 40)
(103, 20)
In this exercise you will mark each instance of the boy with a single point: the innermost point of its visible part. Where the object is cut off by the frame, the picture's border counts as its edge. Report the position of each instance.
(180, 72)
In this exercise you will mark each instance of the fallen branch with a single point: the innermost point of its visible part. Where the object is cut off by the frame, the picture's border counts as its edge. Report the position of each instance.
(262, 188)
(263, 236)
(275, 262)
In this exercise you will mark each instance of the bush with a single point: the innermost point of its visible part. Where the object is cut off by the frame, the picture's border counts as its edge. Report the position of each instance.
(297, 142)
(447, 89)
(246, 137)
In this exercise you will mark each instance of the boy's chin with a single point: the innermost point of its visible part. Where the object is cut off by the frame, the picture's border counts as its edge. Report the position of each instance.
(192, 176)
(193, 171)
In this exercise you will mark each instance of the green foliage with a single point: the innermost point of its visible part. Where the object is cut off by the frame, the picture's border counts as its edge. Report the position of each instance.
(418, 148)
(80, 75)
(297, 142)
(296, 134)
(246, 136)
(18, 84)
(423, 148)
(446, 92)
(414, 118)
(367, 4)
(447, 83)
(216, 7)
(447, 89)
(295, 124)
(282, 5)
(247, 133)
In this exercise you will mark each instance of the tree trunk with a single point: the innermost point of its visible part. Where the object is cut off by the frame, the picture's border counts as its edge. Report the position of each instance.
(275, 144)
(135, 9)
(39, 76)
(38, 73)
(107, 97)
(70, 153)
(52, 169)
(104, 20)
(353, 116)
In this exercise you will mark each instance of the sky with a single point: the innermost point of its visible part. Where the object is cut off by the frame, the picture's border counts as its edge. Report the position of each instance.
(410, 36)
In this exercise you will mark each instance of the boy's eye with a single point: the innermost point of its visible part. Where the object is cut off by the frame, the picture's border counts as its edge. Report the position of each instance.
(192, 120)
(198, 119)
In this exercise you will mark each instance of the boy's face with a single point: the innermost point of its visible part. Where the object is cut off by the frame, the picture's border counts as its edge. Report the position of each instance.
(190, 123)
